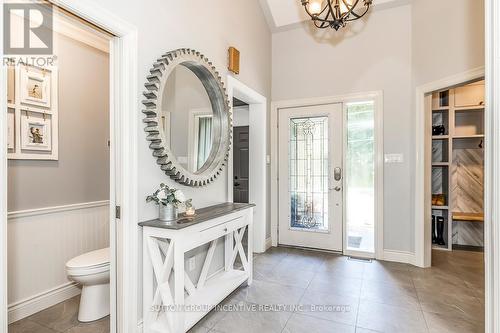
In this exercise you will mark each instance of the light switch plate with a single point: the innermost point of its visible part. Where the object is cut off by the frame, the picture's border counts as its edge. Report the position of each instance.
(393, 158)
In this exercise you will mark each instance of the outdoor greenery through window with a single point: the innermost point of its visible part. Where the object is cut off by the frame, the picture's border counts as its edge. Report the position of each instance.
(360, 176)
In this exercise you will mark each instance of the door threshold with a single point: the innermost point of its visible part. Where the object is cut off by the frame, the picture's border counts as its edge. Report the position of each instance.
(311, 249)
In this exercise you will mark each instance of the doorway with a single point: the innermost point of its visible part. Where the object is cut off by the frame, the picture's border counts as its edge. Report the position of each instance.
(327, 159)
(63, 235)
(455, 154)
(241, 153)
(257, 157)
(123, 167)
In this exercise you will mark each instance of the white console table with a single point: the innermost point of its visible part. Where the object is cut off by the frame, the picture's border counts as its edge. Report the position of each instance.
(175, 304)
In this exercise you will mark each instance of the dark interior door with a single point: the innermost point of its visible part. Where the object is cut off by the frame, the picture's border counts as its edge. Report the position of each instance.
(240, 165)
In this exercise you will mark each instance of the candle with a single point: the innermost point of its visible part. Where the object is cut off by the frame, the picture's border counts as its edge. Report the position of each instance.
(190, 211)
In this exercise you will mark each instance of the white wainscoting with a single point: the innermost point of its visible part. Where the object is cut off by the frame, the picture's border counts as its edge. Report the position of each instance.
(40, 242)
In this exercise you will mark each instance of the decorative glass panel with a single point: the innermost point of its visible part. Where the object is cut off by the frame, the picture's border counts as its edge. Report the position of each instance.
(308, 170)
(360, 177)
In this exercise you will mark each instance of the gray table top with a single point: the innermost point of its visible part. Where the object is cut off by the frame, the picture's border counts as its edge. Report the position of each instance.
(202, 215)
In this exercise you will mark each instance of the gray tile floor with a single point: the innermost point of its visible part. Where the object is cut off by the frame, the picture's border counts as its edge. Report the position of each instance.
(61, 318)
(356, 297)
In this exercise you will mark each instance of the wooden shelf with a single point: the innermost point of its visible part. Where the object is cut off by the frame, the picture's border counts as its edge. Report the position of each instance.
(440, 164)
(470, 108)
(475, 136)
(467, 217)
(440, 207)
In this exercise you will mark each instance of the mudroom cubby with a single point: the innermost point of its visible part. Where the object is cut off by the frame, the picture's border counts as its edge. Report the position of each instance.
(457, 167)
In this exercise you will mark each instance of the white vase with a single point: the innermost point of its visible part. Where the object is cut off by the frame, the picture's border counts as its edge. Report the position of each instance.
(168, 212)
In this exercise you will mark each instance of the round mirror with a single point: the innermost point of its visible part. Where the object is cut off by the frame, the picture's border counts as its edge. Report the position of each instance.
(187, 117)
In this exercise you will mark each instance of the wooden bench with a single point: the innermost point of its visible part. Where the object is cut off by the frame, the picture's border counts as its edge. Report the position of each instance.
(467, 217)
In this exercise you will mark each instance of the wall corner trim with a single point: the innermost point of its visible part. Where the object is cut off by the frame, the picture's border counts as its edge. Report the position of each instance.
(269, 243)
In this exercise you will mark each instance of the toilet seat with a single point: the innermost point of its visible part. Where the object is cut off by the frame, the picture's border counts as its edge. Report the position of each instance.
(87, 270)
(94, 262)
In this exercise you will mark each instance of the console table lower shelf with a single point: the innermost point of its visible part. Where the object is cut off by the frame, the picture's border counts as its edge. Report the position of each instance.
(173, 302)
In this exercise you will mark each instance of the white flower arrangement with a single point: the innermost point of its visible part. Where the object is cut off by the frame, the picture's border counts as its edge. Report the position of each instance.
(168, 196)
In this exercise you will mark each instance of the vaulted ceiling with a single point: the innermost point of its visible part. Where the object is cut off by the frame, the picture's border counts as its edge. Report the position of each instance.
(283, 13)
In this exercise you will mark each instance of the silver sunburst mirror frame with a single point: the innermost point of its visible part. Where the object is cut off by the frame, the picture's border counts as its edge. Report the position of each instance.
(222, 126)
(335, 13)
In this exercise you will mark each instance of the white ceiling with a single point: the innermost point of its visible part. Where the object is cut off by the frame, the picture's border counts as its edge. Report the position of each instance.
(281, 13)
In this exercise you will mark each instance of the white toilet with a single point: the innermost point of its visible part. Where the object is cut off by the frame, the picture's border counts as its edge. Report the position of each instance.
(91, 270)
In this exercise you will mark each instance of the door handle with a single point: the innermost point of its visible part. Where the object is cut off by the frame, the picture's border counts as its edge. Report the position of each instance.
(236, 184)
(336, 188)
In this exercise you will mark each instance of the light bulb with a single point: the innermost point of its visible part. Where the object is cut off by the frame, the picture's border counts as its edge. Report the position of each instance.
(345, 8)
(315, 7)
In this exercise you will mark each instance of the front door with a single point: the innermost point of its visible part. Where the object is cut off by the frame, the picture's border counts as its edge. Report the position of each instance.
(310, 176)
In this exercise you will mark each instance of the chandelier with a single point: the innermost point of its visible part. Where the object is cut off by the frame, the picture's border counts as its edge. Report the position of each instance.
(335, 13)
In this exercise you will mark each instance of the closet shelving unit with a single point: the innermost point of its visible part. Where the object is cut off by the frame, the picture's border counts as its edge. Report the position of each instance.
(461, 111)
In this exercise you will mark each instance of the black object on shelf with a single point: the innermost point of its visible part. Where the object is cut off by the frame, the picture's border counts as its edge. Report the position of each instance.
(440, 230)
(438, 130)
(434, 238)
(444, 98)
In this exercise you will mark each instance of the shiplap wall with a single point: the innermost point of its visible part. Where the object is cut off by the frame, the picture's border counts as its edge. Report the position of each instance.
(40, 242)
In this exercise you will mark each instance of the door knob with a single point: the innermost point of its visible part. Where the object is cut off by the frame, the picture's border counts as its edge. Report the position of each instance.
(337, 188)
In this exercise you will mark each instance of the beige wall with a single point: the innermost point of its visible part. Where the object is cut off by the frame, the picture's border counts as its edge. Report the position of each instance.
(447, 38)
(375, 55)
(82, 172)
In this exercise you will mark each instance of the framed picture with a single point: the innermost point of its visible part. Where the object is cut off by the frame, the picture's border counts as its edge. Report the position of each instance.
(11, 85)
(35, 86)
(11, 139)
(36, 131)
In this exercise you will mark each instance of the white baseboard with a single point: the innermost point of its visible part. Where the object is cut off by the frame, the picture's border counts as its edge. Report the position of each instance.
(269, 243)
(399, 256)
(37, 303)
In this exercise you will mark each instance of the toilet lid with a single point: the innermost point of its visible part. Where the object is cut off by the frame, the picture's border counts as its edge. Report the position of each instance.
(90, 259)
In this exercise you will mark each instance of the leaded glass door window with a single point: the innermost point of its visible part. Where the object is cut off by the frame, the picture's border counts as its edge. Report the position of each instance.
(310, 176)
(308, 173)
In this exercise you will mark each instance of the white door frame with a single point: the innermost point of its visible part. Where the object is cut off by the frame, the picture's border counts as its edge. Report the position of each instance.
(423, 241)
(124, 104)
(377, 97)
(257, 185)
(492, 167)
